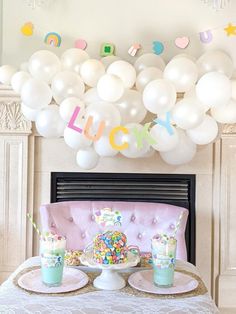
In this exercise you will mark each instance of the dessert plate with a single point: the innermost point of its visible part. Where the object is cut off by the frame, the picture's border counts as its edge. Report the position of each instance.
(73, 279)
(143, 281)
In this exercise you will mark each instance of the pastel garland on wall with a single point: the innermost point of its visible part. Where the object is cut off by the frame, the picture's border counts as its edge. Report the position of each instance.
(99, 106)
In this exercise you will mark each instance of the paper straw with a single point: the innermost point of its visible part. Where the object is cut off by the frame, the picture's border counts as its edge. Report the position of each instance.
(34, 224)
(178, 224)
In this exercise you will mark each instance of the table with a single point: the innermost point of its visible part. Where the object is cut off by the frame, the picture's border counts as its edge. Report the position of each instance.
(15, 300)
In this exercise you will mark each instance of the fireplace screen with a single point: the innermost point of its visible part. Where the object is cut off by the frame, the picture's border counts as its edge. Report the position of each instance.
(174, 189)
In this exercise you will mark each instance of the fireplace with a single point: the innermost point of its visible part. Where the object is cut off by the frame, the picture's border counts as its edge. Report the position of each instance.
(174, 189)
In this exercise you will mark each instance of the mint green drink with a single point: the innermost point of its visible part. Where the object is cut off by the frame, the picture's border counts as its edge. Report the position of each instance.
(52, 252)
(163, 256)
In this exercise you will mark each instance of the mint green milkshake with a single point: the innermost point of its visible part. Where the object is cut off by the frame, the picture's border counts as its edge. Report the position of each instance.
(52, 252)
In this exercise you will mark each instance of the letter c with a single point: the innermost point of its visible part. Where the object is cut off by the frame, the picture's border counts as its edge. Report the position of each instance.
(112, 137)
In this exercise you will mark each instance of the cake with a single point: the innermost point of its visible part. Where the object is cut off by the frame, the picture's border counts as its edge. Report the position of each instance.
(110, 248)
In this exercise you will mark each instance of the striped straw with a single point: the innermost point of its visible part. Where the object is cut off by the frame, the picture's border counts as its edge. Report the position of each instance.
(34, 224)
(178, 224)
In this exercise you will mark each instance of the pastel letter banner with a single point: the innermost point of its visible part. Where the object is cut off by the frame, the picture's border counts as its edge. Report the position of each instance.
(112, 137)
(165, 123)
(88, 125)
(144, 133)
(206, 37)
(72, 120)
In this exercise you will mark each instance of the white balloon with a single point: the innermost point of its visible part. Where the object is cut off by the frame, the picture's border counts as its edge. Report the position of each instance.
(110, 88)
(159, 96)
(75, 139)
(72, 59)
(91, 71)
(36, 94)
(30, 114)
(125, 71)
(234, 90)
(204, 133)
(214, 89)
(103, 147)
(87, 158)
(164, 140)
(106, 61)
(67, 107)
(182, 72)
(131, 107)
(91, 96)
(215, 61)
(6, 73)
(43, 65)
(182, 153)
(225, 113)
(49, 123)
(18, 80)
(67, 84)
(187, 114)
(192, 94)
(149, 60)
(147, 75)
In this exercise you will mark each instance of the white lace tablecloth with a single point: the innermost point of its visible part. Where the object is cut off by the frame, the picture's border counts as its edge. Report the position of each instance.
(14, 300)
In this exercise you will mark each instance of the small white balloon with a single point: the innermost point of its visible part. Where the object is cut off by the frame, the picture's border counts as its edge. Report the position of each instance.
(67, 84)
(72, 59)
(67, 107)
(149, 60)
(214, 89)
(110, 88)
(187, 114)
(215, 61)
(91, 96)
(49, 122)
(91, 71)
(164, 140)
(103, 147)
(106, 61)
(18, 80)
(36, 94)
(87, 158)
(43, 65)
(6, 73)
(30, 114)
(75, 139)
(204, 133)
(225, 113)
(125, 71)
(159, 96)
(147, 75)
(183, 153)
(182, 72)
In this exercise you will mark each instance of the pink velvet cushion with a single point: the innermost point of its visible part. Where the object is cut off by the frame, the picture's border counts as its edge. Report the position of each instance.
(141, 221)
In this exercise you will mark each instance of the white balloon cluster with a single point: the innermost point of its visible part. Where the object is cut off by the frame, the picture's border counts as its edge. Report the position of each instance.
(114, 97)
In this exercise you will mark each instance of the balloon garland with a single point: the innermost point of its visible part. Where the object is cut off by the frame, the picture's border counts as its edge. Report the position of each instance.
(98, 105)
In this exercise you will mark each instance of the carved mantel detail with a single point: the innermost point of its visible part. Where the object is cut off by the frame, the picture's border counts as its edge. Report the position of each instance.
(229, 129)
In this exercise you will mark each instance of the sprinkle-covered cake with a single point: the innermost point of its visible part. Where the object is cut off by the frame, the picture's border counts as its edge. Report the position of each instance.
(110, 248)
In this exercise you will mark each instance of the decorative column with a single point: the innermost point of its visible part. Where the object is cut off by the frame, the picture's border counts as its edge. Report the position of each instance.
(15, 231)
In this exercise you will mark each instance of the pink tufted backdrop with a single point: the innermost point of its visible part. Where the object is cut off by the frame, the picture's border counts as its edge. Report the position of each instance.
(141, 221)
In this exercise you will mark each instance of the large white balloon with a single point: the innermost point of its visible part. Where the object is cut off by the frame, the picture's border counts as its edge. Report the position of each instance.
(67, 84)
(87, 158)
(226, 113)
(30, 114)
(49, 123)
(72, 59)
(159, 96)
(75, 139)
(6, 73)
(67, 107)
(106, 61)
(164, 140)
(18, 80)
(91, 71)
(182, 72)
(214, 89)
(43, 65)
(110, 88)
(182, 153)
(131, 107)
(149, 60)
(204, 133)
(103, 147)
(125, 71)
(91, 96)
(147, 75)
(187, 114)
(36, 94)
(215, 61)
